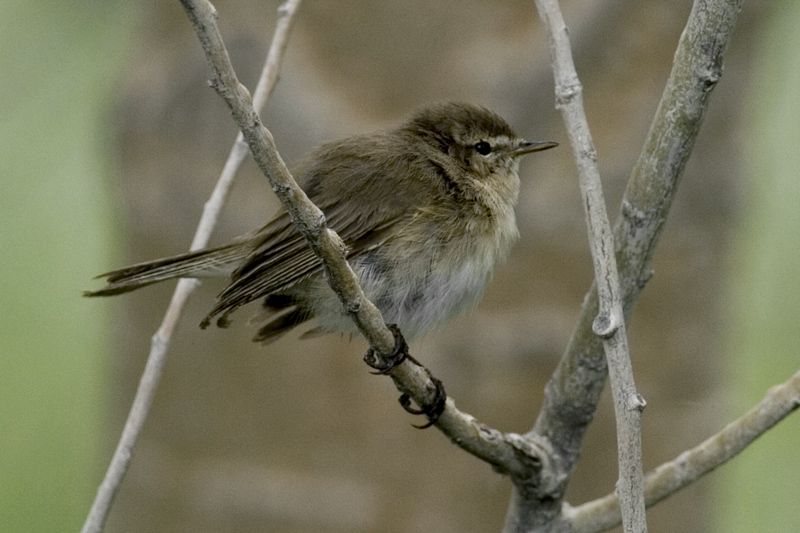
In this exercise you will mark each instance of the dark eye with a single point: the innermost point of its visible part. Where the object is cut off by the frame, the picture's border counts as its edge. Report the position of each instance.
(483, 148)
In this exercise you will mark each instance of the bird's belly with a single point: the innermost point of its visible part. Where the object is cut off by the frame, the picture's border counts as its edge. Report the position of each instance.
(427, 288)
(438, 297)
(419, 283)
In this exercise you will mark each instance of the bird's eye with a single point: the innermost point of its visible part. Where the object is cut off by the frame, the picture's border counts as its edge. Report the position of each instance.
(483, 148)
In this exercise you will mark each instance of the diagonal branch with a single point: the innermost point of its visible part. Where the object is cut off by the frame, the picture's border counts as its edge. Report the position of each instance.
(573, 392)
(239, 151)
(148, 384)
(508, 453)
(779, 402)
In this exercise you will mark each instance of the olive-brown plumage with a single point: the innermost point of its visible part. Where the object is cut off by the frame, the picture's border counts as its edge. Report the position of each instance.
(426, 210)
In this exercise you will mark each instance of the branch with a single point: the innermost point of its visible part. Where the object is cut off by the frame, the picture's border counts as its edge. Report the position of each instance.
(508, 453)
(609, 323)
(779, 402)
(264, 88)
(96, 519)
(573, 392)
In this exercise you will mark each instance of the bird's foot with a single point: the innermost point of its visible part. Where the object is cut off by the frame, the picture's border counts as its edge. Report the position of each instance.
(384, 365)
(432, 410)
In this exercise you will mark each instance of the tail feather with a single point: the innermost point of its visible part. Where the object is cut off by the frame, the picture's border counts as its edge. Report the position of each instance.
(274, 329)
(282, 312)
(212, 262)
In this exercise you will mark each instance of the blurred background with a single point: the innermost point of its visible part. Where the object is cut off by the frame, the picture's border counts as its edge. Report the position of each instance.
(111, 141)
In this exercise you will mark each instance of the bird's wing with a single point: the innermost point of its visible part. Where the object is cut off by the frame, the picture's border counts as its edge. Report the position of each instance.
(365, 215)
(285, 259)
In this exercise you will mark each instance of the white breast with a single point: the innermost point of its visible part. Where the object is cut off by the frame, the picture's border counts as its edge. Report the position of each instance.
(431, 285)
(426, 283)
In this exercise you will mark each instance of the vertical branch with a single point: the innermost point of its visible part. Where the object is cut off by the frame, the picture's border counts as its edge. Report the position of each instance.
(574, 390)
(609, 323)
(151, 376)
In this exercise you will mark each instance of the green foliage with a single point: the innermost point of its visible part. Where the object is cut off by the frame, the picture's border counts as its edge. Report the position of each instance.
(58, 60)
(759, 490)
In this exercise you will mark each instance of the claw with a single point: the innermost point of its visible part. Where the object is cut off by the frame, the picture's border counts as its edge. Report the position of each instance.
(384, 366)
(433, 410)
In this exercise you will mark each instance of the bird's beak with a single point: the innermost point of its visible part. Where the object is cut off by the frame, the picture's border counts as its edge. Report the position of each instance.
(528, 147)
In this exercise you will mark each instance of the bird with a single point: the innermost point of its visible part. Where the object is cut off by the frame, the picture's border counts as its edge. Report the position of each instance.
(426, 211)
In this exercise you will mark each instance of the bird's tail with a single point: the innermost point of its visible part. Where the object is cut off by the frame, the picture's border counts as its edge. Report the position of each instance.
(212, 262)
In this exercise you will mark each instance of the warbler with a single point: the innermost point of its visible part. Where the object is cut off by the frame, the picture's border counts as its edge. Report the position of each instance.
(426, 211)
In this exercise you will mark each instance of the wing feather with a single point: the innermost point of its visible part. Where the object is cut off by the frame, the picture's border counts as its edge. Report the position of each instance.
(366, 213)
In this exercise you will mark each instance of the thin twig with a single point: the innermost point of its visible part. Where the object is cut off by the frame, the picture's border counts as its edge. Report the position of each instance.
(610, 323)
(779, 402)
(573, 391)
(95, 521)
(506, 452)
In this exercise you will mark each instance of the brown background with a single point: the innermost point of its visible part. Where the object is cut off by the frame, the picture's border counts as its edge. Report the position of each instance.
(298, 436)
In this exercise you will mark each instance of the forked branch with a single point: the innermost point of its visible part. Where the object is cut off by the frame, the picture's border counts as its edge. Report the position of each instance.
(573, 392)
(610, 322)
(779, 402)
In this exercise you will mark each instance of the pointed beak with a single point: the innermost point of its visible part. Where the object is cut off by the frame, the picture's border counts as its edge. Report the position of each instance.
(528, 147)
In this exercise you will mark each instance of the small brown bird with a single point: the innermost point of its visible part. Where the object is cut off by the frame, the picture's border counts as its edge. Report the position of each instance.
(426, 212)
